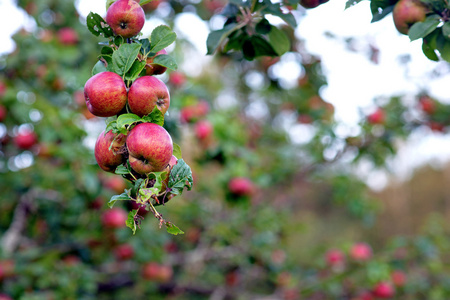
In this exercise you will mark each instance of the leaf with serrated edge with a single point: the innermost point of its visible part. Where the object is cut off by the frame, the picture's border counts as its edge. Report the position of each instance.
(180, 178)
(125, 120)
(147, 193)
(422, 29)
(156, 116)
(97, 25)
(130, 220)
(177, 151)
(121, 170)
(161, 37)
(165, 61)
(135, 70)
(173, 229)
(122, 197)
(124, 57)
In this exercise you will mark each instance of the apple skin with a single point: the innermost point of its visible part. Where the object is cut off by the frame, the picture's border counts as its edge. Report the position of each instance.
(361, 252)
(125, 17)
(105, 94)
(25, 140)
(334, 257)
(157, 272)
(408, 12)
(177, 79)
(108, 159)
(154, 69)
(312, 3)
(427, 105)
(384, 290)
(3, 113)
(241, 186)
(147, 92)
(124, 252)
(150, 148)
(114, 218)
(377, 117)
(67, 36)
(203, 129)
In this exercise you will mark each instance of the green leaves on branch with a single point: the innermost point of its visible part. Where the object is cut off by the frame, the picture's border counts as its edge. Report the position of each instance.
(98, 26)
(124, 57)
(180, 177)
(124, 122)
(422, 29)
(160, 38)
(380, 9)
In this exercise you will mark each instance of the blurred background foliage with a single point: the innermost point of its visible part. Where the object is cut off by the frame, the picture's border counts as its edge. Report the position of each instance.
(278, 209)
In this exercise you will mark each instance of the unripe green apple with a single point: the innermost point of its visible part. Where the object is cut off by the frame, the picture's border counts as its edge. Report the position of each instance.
(108, 159)
(150, 148)
(408, 12)
(125, 17)
(147, 92)
(105, 94)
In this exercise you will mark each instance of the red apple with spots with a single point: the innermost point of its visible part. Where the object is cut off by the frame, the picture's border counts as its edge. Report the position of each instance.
(105, 94)
(26, 139)
(241, 186)
(146, 93)
(361, 252)
(156, 272)
(125, 17)
(109, 150)
(152, 68)
(384, 290)
(114, 218)
(150, 148)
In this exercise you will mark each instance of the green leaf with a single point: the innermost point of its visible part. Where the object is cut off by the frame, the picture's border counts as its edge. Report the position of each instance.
(146, 47)
(111, 124)
(159, 177)
(177, 151)
(263, 27)
(275, 9)
(446, 30)
(161, 37)
(279, 41)
(98, 26)
(124, 57)
(135, 70)
(236, 40)
(351, 3)
(380, 9)
(143, 2)
(125, 120)
(257, 46)
(215, 38)
(130, 221)
(429, 45)
(146, 193)
(98, 68)
(422, 29)
(180, 178)
(122, 197)
(137, 185)
(156, 116)
(121, 170)
(165, 61)
(172, 229)
(443, 46)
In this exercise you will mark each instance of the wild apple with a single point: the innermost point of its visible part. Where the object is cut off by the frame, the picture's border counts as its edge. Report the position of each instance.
(408, 12)
(109, 150)
(383, 290)
(361, 252)
(114, 218)
(105, 94)
(203, 129)
(125, 17)
(150, 148)
(67, 36)
(146, 93)
(25, 139)
(3, 113)
(312, 3)
(154, 69)
(377, 117)
(241, 186)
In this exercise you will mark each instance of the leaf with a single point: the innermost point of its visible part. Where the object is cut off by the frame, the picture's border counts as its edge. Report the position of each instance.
(135, 70)
(159, 177)
(130, 221)
(257, 46)
(173, 229)
(165, 61)
(351, 3)
(124, 57)
(443, 46)
(263, 27)
(146, 47)
(125, 120)
(180, 178)
(429, 45)
(215, 38)
(446, 30)
(275, 9)
(98, 26)
(422, 29)
(98, 68)
(146, 193)
(429, 52)
(137, 185)
(122, 197)
(111, 125)
(177, 151)
(380, 9)
(161, 37)
(143, 2)
(156, 116)
(121, 170)
(279, 41)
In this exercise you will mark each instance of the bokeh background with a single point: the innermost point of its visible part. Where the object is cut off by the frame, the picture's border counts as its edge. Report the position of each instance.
(321, 174)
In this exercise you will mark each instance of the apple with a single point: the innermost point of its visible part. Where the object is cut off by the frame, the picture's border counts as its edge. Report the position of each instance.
(408, 12)
(3, 113)
(125, 17)
(25, 139)
(366, 295)
(115, 183)
(384, 290)
(177, 79)
(156, 272)
(377, 117)
(2, 89)
(334, 257)
(171, 247)
(5, 297)
(109, 150)
(232, 278)
(154, 69)
(147, 92)
(398, 278)
(436, 126)
(114, 218)
(241, 186)
(67, 36)
(427, 105)
(203, 129)
(105, 94)
(361, 252)
(150, 148)
(312, 3)
(124, 252)
(151, 6)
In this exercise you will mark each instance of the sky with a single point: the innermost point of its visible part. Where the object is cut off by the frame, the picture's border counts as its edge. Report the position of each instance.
(353, 80)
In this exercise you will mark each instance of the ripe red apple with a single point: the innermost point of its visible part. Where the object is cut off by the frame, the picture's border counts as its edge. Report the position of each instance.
(25, 139)
(398, 278)
(124, 252)
(241, 186)
(154, 69)
(312, 3)
(115, 183)
(3, 113)
(105, 94)
(377, 117)
(427, 105)
(383, 290)
(408, 12)
(436, 126)
(203, 129)
(361, 252)
(146, 93)
(114, 218)
(177, 79)
(156, 272)
(334, 257)
(150, 148)
(109, 159)
(151, 6)
(125, 17)
(67, 36)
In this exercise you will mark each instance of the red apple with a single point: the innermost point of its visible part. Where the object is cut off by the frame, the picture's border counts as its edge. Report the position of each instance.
(3, 113)
(408, 12)
(177, 79)
(25, 139)
(2, 89)
(398, 278)
(115, 183)
(5, 297)
(232, 278)
(436, 126)
(312, 3)
(334, 257)
(125, 17)
(156, 272)
(241, 186)
(151, 6)
(150, 148)
(109, 150)
(383, 290)
(67, 36)
(154, 69)
(105, 94)
(114, 218)
(203, 129)
(187, 114)
(361, 252)
(146, 93)
(427, 105)
(124, 252)
(377, 117)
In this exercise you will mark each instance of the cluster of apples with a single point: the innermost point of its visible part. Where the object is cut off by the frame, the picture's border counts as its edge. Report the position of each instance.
(148, 147)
